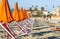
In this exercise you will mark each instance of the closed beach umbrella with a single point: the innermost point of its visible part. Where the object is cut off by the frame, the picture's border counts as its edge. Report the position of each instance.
(6, 17)
(25, 14)
(1, 8)
(0, 12)
(6, 13)
(16, 13)
(21, 14)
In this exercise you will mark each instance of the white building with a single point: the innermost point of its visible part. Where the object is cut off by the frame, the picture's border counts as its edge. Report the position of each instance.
(56, 11)
(45, 12)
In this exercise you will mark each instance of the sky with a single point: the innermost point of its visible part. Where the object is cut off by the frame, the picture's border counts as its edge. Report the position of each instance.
(47, 4)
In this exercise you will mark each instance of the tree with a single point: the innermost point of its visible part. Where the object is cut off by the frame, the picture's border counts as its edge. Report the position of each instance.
(49, 15)
(44, 16)
(32, 6)
(36, 5)
(35, 8)
(38, 13)
(30, 9)
(42, 8)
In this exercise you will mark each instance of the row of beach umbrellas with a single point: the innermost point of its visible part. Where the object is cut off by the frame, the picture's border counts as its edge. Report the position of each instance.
(22, 18)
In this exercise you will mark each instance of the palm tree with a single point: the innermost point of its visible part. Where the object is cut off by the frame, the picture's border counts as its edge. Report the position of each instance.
(36, 5)
(42, 8)
(30, 8)
(35, 8)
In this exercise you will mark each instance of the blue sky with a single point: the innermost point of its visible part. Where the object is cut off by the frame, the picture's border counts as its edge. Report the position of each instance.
(28, 3)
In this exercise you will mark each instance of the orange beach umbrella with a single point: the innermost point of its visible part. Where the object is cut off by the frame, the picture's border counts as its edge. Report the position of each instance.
(1, 8)
(16, 13)
(6, 13)
(21, 14)
(0, 12)
(6, 17)
(25, 15)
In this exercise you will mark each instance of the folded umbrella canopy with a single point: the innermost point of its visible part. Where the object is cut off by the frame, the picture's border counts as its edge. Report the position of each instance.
(26, 16)
(0, 12)
(16, 17)
(6, 13)
(15, 14)
(6, 17)
(22, 16)
(20, 21)
(28, 21)
(23, 22)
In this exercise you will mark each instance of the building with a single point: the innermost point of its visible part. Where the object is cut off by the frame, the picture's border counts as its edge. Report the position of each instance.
(45, 12)
(56, 11)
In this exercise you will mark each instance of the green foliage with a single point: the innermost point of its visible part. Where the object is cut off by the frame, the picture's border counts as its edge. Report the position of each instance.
(42, 8)
(44, 16)
(35, 8)
(30, 9)
(39, 14)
